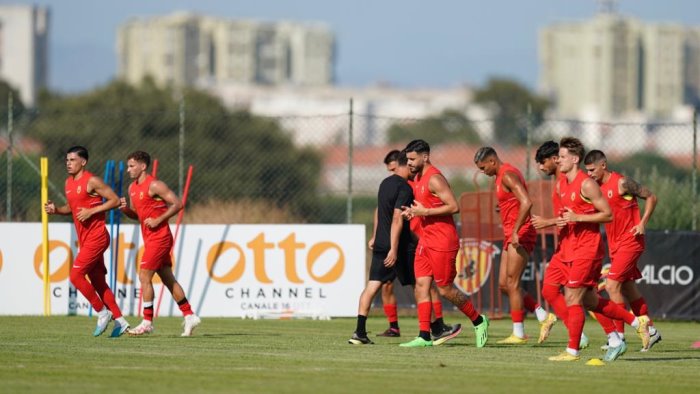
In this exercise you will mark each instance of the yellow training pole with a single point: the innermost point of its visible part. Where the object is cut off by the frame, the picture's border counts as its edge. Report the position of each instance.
(45, 233)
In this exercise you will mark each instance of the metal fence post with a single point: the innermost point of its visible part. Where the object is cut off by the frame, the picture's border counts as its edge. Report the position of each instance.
(528, 140)
(695, 170)
(8, 197)
(181, 159)
(350, 146)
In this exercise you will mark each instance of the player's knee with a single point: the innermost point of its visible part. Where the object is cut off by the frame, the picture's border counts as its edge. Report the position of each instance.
(550, 293)
(76, 275)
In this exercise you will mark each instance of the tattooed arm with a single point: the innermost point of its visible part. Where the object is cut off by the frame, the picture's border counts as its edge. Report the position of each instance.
(633, 188)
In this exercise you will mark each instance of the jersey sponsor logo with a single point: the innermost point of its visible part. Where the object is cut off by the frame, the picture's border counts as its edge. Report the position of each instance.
(140, 195)
(474, 263)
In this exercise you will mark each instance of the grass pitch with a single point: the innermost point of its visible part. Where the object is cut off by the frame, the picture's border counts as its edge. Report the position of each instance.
(59, 354)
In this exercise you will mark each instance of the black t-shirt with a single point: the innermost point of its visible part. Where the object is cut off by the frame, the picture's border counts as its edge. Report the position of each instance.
(394, 192)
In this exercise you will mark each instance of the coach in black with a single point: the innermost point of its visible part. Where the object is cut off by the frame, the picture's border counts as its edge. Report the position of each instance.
(394, 246)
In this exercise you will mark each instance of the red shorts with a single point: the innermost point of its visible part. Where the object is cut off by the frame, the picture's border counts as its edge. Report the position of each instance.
(623, 266)
(584, 273)
(438, 264)
(91, 256)
(557, 272)
(154, 258)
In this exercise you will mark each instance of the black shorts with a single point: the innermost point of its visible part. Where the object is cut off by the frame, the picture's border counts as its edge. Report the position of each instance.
(403, 269)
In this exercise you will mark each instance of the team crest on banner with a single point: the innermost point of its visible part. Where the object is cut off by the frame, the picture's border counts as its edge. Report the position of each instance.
(474, 262)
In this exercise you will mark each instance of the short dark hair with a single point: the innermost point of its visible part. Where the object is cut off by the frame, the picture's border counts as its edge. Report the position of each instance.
(401, 159)
(391, 156)
(141, 157)
(483, 153)
(418, 146)
(574, 146)
(594, 156)
(81, 151)
(546, 150)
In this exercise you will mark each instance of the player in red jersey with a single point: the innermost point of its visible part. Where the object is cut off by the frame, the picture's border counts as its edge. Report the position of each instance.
(584, 208)
(625, 237)
(85, 193)
(437, 248)
(519, 239)
(556, 274)
(153, 203)
(440, 331)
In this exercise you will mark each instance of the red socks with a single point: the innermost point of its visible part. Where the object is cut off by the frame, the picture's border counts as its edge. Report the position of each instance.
(390, 312)
(148, 311)
(575, 322)
(437, 308)
(639, 308)
(607, 323)
(556, 300)
(517, 316)
(424, 309)
(613, 311)
(86, 289)
(468, 309)
(185, 307)
(529, 303)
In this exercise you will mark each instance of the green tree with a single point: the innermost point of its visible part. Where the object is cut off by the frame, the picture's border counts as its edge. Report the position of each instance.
(235, 155)
(17, 105)
(449, 126)
(510, 101)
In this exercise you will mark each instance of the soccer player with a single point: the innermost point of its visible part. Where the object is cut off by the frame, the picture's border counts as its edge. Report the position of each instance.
(85, 192)
(584, 208)
(625, 237)
(437, 248)
(439, 329)
(153, 203)
(556, 273)
(519, 239)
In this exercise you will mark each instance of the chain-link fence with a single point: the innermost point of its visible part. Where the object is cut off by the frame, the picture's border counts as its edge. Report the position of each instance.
(317, 169)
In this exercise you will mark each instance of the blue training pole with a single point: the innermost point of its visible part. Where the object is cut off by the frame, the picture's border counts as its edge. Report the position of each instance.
(112, 185)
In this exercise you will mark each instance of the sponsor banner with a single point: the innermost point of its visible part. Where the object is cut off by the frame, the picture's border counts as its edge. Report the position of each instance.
(670, 268)
(226, 270)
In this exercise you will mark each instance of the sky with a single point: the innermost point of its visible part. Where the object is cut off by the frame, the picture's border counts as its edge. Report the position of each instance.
(405, 43)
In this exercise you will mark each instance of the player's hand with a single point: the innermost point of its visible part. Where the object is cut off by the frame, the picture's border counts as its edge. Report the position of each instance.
(50, 207)
(569, 216)
(538, 222)
(152, 222)
(515, 240)
(418, 209)
(390, 259)
(638, 229)
(83, 214)
(407, 213)
(370, 244)
(122, 202)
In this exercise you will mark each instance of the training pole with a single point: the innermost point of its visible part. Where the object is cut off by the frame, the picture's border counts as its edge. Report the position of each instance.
(177, 228)
(44, 162)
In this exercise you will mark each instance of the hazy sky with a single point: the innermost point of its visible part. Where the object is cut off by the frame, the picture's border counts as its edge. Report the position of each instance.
(409, 43)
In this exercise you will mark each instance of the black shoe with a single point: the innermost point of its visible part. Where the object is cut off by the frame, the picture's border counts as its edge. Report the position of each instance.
(447, 333)
(358, 340)
(390, 332)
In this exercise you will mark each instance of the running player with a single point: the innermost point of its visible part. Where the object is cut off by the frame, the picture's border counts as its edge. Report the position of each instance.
(625, 237)
(438, 245)
(153, 203)
(440, 331)
(519, 239)
(556, 274)
(584, 208)
(85, 192)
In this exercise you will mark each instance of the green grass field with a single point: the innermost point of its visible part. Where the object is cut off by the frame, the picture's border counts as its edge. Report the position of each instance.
(59, 354)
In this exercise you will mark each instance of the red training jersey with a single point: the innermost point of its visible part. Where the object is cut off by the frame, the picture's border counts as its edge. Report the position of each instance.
(92, 230)
(580, 240)
(509, 206)
(150, 207)
(625, 211)
(437, 232)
